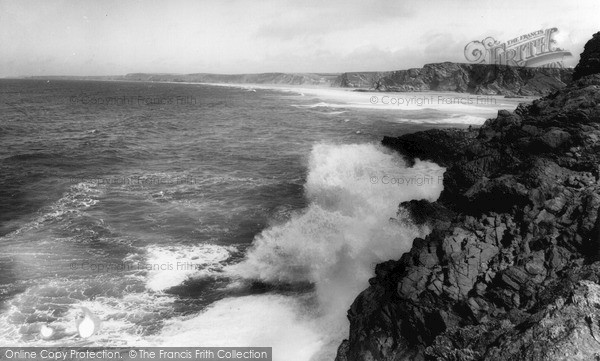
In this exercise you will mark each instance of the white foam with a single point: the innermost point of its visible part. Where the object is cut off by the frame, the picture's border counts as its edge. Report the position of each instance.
(334, 113)
(124, 319)
(169, 266)
(457, 119)
(251, 321)
(348, 215)
(76, 200)
(126, 312)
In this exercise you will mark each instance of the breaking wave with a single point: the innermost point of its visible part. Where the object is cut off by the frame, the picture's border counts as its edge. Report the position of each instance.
(350, 225)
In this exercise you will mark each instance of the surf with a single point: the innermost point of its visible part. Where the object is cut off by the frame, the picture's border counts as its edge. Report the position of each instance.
(350, 224)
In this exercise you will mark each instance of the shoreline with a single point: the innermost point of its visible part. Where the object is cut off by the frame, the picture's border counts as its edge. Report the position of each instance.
(511, 269)
(478, 107)
(445, 101)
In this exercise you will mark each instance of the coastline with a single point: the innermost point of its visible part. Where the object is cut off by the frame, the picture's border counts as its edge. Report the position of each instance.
(511, 268)
(469, 78)
(336, 97)
(478, 107)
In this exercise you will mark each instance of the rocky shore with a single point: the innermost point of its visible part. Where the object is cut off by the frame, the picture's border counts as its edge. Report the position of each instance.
(511, 268)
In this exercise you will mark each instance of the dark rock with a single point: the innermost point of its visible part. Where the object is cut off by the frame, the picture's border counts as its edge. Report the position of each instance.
(568, 329)
(422, 212)
(589, 62)
(555, 138)
(514, 277)
(511, 268)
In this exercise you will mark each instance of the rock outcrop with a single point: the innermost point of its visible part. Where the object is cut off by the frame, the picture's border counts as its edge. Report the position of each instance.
(463, 78)
(511, 269)
(590, 59)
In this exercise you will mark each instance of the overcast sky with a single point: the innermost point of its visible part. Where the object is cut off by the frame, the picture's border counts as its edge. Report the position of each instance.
(112, 37)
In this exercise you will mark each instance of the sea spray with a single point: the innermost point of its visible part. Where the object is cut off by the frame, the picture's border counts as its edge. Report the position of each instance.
(349, 225)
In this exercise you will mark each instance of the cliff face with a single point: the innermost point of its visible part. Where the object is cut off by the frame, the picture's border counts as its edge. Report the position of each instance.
(510, 270)
(463, 78)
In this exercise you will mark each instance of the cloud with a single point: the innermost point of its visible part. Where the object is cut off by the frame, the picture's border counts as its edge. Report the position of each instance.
(239, 36)
(318, 18)
(440, 47)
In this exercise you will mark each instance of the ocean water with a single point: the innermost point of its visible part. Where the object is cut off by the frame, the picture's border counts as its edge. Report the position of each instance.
(200, 215)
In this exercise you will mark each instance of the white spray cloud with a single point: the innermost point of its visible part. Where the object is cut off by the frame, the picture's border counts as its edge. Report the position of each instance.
(354, 192)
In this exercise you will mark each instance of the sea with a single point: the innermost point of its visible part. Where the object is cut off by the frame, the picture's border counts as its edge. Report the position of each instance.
(205, 215)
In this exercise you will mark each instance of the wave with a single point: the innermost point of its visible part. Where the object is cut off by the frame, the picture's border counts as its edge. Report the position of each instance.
(31, 157)
(128, 313)
(172, 265)
(322, 105)
(454, 119)
(249, 321)
(348, 227)
(350, 224)
(73, 203)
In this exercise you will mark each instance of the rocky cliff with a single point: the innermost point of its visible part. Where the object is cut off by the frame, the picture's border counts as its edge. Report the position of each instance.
(511, 268)
(462, 78)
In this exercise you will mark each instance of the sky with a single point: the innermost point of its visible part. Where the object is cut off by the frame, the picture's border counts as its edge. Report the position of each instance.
(114, 37)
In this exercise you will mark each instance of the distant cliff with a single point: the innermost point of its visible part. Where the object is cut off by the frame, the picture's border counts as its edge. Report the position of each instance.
(263, 78)
(312, 79)
(462, 78)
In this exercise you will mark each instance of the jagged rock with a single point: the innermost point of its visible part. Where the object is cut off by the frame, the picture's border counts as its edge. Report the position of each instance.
(511, 269)
(589, 62)
(514, 277)
(567, 330)
(424, 212)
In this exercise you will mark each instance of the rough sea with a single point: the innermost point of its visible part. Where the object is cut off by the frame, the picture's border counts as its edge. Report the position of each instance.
(202, 215)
